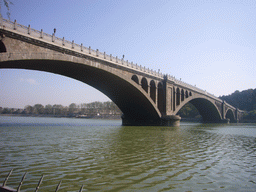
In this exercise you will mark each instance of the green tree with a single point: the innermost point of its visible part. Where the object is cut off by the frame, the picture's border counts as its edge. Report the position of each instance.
(189, 111)
(72, 108)
(58, 110)
(6, 111)
(29, 109)
(39, 108)
(48, 109)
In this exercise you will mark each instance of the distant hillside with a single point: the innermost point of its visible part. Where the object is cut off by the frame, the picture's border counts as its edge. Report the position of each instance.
(244, 100)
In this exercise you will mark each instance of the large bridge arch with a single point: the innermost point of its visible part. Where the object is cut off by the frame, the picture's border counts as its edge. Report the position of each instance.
(206, 108)
(136, 105)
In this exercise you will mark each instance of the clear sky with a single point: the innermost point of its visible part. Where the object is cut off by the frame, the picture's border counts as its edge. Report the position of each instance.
(207, 43)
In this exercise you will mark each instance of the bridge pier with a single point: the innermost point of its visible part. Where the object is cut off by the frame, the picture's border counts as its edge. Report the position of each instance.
(139, 122)
(168, 120)
(225, 121)
(171, 120)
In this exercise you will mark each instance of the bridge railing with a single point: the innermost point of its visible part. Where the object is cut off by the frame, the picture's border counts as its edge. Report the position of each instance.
(62, 42)
(187, 85)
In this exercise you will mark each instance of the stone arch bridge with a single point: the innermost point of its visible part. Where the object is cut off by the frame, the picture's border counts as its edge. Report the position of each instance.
(145, 97)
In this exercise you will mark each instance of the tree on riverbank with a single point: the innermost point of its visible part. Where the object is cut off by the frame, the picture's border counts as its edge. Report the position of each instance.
(189, 111)
(85, 109)
(245, 100)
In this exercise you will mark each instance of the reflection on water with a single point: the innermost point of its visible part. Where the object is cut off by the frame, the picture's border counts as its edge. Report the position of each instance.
(104, 156)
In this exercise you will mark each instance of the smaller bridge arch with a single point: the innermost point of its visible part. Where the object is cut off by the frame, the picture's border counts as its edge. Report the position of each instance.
(178, 96)
(186, 94)
(153, 90)
(206, 108)
(144, 84)
(230, 115)
(182, 95)
(135, 79)
(160, 97)
(174, 99)
(2, 47)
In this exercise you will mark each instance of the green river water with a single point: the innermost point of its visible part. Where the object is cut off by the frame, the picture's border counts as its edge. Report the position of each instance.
(102, 155)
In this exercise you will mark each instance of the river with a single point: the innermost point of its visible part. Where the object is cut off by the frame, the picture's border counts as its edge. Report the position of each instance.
(102, 155)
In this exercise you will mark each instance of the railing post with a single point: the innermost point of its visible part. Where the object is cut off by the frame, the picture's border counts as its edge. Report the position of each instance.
(58, 187)
(41, 34)
(104, 55)
(15, 25)
(81, 189)
(39, 183)
(29, 30)
(53, 37)
(89, 49)
(116, 59)
(72, 44)
(82, 47)
(110, 57)
(6, 179)
(21, 182)
(97, 52)
(63, 41)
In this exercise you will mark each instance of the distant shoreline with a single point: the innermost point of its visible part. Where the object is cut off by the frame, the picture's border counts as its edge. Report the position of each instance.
(63, 116)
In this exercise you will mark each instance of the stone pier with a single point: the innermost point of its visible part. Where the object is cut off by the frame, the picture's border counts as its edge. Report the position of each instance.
(171, 120)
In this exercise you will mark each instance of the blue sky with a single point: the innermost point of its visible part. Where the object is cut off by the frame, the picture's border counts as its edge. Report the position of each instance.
(207, 43)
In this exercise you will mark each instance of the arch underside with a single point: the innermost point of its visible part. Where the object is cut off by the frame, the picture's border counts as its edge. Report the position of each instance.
(230, 115)
(206, 109)
(2, 47)
(136, 107)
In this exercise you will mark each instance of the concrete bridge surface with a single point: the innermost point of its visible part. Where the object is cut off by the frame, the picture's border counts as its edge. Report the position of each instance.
(145, 97)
